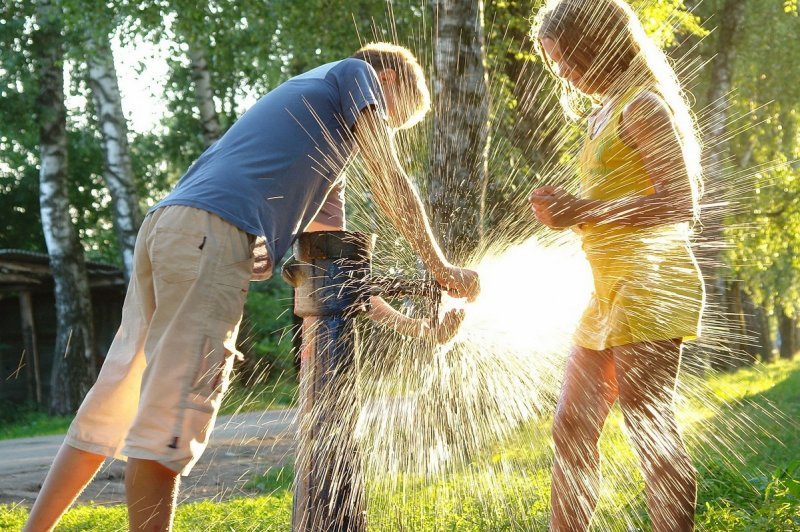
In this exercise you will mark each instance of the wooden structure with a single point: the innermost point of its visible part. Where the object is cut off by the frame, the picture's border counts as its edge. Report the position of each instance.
(28, 320)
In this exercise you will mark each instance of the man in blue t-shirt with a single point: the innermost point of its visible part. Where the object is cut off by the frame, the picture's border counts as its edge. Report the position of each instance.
(234, 213)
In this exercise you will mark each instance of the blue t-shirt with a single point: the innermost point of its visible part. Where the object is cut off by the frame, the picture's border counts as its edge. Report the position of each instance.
(272, 170)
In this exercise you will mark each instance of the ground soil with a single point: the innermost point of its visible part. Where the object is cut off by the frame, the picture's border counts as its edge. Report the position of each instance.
(243, 446)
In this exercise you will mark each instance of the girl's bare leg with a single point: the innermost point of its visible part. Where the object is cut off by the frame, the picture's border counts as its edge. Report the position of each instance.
(646, 376)
(71, 471)
(588, 392)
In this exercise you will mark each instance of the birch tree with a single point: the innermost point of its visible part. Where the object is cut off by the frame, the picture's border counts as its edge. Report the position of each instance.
(764, 235)
(118, 173)
(728, 17)
(193, 26)
(204, 93)
(457, 190)
(73, 369)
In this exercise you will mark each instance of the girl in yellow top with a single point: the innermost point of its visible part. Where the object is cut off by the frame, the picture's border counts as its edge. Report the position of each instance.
(640, 183)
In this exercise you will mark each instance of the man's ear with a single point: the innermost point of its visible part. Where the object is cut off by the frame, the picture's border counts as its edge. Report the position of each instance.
(387, 75)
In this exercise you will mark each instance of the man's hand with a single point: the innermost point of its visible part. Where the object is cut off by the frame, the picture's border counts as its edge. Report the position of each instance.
(448, 327)
(394, 194)
(262, 267)
(460, 282)
(556, 208)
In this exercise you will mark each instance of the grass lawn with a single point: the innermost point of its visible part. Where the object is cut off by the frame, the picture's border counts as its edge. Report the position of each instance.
(29, 422)
(747, 455)
(276, 394)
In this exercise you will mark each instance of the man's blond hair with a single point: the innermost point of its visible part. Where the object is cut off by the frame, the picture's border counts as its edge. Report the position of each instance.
(414, 90)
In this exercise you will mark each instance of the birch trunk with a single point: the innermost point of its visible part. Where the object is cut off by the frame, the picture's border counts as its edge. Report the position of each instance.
(73, 369)
(457, 191)
(201, 75)
(118, 173)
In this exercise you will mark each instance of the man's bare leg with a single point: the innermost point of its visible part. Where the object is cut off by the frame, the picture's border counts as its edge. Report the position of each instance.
(71, 471)
(151, 490)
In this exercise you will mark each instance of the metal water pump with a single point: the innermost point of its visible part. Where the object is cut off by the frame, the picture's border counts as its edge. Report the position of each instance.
(331, 273)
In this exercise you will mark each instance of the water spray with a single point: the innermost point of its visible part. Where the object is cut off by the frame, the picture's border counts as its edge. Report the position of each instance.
(331, 273)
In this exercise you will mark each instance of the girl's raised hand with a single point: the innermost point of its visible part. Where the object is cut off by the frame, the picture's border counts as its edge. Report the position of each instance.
(556, 208)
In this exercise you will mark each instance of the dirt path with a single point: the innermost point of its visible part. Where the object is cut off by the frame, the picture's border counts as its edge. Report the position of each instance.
(241, 446)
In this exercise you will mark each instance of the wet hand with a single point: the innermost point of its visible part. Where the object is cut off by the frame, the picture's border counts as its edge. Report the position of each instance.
(461, 283)
(448, 327)
(556, 208)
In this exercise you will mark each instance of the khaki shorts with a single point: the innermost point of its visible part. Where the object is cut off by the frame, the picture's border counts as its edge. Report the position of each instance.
(162, 382)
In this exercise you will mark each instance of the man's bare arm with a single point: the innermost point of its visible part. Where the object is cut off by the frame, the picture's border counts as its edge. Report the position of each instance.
(262, 265)
(382, 312)
(398, 200)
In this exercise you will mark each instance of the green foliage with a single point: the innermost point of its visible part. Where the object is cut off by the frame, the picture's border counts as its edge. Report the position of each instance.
(765, 239)
(19, 154)
(278, 392)
(762, 492)
(19, 134)
(266, 332)
(665, 20)
(158, 162)
(12, 517)
(764, 232)
(766, 502)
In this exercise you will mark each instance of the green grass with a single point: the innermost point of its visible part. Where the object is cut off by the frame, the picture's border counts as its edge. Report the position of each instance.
(278, 393)
(264, 513)
(763, 493)
(273, 481)
(746, 452)
(31, 422)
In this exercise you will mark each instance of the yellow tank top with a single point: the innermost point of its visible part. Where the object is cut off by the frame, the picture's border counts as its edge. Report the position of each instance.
(647, 285)
(609, 169)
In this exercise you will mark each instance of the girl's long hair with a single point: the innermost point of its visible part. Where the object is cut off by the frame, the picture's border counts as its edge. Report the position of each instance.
(605, 39)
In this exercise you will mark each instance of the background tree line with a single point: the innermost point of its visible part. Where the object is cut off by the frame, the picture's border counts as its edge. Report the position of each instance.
(75, 182)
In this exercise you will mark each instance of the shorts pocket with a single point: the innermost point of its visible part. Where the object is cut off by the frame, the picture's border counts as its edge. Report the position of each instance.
(211, 378)
(176, 255)
(230, 290)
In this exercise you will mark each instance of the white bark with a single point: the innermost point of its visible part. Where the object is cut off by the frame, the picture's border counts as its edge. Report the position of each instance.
(729, 18)
(461, 139)
(73, 369)
(118, 173)
(201, 75)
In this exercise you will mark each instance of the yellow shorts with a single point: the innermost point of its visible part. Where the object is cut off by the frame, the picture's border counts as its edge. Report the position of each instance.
(162, 382)
(644, 292)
